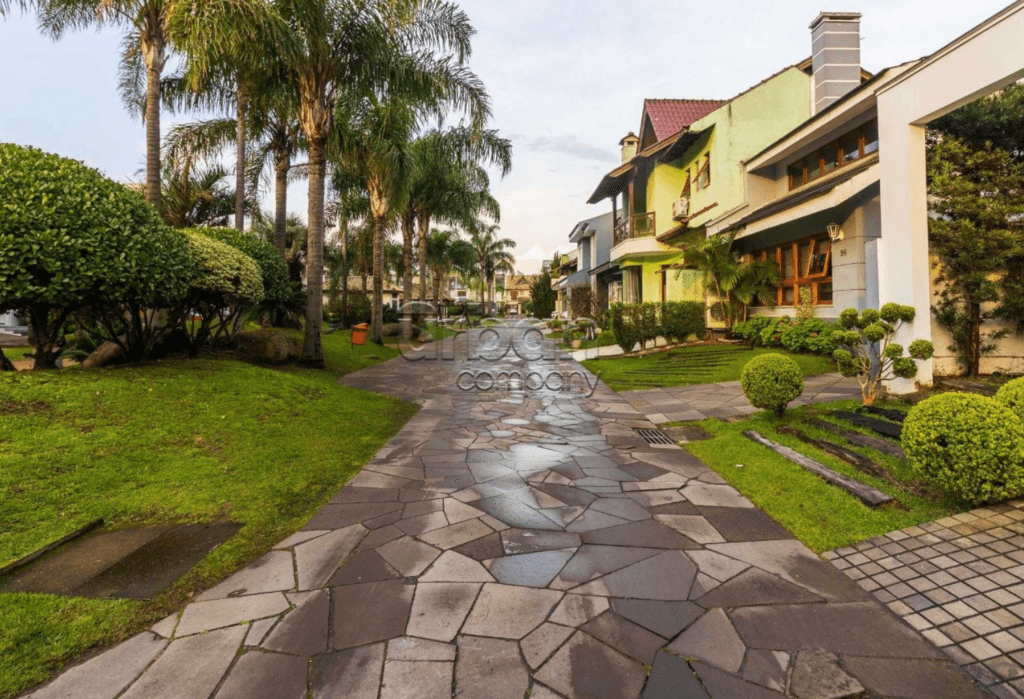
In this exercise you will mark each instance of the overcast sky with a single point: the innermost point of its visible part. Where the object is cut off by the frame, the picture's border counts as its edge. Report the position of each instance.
(567, 78)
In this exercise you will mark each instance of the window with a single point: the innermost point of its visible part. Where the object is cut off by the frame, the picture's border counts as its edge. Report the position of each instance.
(705, 172)
(803, 263)
(686, 187)
(853, 146)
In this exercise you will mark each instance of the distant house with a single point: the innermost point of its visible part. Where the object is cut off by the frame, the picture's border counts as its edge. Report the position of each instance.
(10, 322)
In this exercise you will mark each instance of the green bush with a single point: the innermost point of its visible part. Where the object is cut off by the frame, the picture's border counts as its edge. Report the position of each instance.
(226, 283)
(71, 239)
(1012, 396)
(771, 381)
(625, 324)
(277, 287)
(968, 445)
(750, 330)
(809, 335)
(680, 319)
(771, 336)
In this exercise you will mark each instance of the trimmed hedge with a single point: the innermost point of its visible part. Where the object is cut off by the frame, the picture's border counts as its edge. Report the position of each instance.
(971, 446)
(1012, 396)
(680, 319)
(71, 239)
(771, 382)
(225, 275)
(640, 323)
(277, 287)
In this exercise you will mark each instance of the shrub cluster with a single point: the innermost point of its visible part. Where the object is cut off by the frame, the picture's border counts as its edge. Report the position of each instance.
(640, 323)
(771, 382)
(794, 334)
(971, 446)
(75, 245)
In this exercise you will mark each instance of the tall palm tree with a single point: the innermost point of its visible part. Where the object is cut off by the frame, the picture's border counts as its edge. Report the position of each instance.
(195, 196)
(447, 253)
(145, 48)
(339, 49)
(492, 255)
(734, 283)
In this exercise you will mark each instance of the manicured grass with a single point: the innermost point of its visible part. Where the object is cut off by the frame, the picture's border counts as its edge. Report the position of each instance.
(178, 441)
(605, 339)
(822, 516)
(688, 366)
(16, 353)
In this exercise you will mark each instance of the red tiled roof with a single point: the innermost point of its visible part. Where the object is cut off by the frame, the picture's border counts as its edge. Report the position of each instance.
(672, 116)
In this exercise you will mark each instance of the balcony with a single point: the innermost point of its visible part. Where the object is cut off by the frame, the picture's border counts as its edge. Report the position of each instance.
(636, 226)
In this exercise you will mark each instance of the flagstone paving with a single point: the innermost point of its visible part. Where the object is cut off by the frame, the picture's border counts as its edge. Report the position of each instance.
(514, 543)
(960, 582)
(726, 400)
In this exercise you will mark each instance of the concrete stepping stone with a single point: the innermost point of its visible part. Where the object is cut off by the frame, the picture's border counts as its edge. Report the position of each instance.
(506, 611)
(363, 567)
(744, 524)
(489, 667)
(272, 572)
(721, 684)
(576, 610)
(646, 534)
(712, 638)
(672, 678)
(457, 512)
(755, 587)
(530, 569)
(379, 537)
(409, 648)
(457, 534)
(258, 631)
(265, 674)
(667, 576)
(340, 516)
(625, 636)
(303, 631)
(717, 566)
(592, 561)
(584, 667)
(317, 560)
(846, 628)
(370, 613)
(216, 614)
(351, 494)
(767, 668)
(353, 674)
(454, 567)
(483, 549)
(438, 609)
(108, 673)
(663, 618)
(817, 675)
(165, 627)
(515, 513)
(417, 680)
(519, 541)
(408, 556)
(539, 644)
(693, 527)
(913, 679)
(715, 496)
(299, 537)
(190, 667)
(416, 526)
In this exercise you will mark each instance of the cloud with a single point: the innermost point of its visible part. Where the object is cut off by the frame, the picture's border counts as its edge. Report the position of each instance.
(566, 144)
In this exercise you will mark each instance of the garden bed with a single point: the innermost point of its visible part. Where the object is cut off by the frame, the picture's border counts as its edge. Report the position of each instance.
(177, 441)
(821, 515)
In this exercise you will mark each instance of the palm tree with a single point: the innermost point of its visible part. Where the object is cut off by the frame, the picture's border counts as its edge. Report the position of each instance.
(492, 255)
(335, 51)
(447, 253)
(195, 196)
(734, 283)
(144, 52)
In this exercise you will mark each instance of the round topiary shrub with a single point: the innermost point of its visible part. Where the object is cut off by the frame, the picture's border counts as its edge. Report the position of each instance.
(771, 381)
(277, 287)
(71, 239)
(1012, 396)
(968, 445)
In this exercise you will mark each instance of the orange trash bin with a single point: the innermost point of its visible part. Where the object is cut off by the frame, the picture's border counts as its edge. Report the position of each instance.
(360, 333)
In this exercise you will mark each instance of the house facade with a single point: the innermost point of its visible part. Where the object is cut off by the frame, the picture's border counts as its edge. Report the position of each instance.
(11, 322)
(684, 171)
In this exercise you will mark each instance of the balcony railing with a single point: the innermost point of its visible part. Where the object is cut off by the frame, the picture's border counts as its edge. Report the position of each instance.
(636, 226)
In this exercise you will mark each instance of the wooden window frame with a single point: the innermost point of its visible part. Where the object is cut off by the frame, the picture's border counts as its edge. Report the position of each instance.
(800, 278)
(704, 169)
(819, 156)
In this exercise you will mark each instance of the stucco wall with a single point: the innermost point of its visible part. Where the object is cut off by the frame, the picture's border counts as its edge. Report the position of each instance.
(683, 284)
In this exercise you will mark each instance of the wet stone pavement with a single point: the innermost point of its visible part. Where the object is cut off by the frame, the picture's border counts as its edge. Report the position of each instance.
(528, 543)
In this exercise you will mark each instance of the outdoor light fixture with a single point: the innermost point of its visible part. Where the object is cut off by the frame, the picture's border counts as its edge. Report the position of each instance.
(835, 232)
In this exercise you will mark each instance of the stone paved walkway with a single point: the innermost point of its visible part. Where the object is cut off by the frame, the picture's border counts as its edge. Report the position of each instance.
(960, 581)
(694, 403)
(518, 542)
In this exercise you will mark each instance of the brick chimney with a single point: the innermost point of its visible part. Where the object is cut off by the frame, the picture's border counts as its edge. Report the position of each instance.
(629, 145)
(835, 44)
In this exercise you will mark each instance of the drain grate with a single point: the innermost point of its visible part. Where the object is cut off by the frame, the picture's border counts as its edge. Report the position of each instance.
(655, 437)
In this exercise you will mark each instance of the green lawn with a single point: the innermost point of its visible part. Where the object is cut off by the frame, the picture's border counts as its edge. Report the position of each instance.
(177, 441)
(688, 366)
(822, 516)
(16, 353)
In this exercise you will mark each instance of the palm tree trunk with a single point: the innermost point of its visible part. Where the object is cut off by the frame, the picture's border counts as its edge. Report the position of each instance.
(377, 326)
(282, 163)
(242, 106)
(424, 229)
(408, 232)
(313, 349)
(153, 133)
